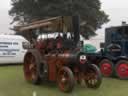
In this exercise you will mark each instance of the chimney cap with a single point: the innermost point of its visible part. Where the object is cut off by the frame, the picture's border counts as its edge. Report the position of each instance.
(123, 22)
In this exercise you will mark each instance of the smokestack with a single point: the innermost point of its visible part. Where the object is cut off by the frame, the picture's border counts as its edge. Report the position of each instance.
(76, 28)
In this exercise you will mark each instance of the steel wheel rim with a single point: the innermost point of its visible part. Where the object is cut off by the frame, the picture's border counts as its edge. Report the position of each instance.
(106, 69)
(122, 70)
(30, 67)
(63, 80)
(92, 79)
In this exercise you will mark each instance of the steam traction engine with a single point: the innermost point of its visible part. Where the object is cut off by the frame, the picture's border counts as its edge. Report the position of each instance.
(56, 56)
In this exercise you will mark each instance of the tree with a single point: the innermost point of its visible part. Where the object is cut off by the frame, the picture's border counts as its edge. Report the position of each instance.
(90, 12)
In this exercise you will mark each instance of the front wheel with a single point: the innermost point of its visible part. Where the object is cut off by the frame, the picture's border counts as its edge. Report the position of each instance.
(122, 69)
(65, 79)
(106, 67)
(93, 76)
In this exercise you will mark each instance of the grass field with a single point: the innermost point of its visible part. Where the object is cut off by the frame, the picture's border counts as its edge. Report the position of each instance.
(12, 83)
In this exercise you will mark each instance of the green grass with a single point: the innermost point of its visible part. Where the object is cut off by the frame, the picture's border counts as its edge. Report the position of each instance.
(12, 83)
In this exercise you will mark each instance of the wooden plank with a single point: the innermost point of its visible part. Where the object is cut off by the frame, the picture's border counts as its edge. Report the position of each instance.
(35, 26)
(45, 20)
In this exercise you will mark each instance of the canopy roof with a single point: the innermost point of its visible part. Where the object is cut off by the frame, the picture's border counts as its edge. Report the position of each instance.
(58, 24)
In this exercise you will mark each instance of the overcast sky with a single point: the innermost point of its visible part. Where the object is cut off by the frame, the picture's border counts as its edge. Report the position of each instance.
(116, 9)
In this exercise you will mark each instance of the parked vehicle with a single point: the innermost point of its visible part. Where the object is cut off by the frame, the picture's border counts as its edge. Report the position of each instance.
(113, 58)
(115, 61)
(58, 59)
(12, 49)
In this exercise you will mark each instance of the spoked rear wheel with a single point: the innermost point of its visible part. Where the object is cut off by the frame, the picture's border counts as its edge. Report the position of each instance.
(30, 69)
(65, 79)
(94, 78)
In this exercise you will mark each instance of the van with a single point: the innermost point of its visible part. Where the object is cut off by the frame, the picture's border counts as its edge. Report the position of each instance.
(12, 49)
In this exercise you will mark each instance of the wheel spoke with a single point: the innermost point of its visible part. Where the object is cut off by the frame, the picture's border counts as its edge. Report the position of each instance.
(31, 67)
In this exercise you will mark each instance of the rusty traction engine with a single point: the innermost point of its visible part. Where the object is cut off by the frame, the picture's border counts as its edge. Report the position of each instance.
(54, 54)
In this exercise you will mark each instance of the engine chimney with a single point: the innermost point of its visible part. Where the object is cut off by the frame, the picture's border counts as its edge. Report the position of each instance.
(124, 23)
(76, 28)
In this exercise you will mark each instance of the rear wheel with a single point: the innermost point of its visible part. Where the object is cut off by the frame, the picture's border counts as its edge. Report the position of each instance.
(65, 79)
(106, 67)
(93, 77)
(122, 69)
(31, 69)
